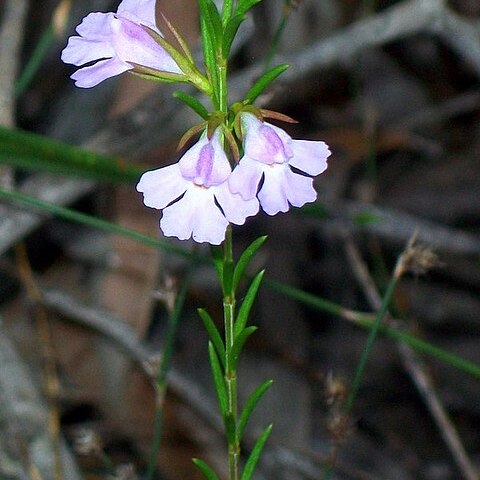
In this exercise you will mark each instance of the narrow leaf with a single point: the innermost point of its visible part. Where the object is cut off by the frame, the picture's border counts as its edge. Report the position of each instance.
(231, 29)
(245, 5)
(247, 303)
(256, 452)
(217, 255)
(36, 152)
(207, 471)
(218, 379)
(263, 82)
(245, 259)
(192, 102)
(211, 27)
(213, 334)
(250, 405)
(239, 343)
(180, 39)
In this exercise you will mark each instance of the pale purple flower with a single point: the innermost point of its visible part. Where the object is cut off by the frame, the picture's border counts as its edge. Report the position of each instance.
(112, 40)
(194, 194)
(269, 154)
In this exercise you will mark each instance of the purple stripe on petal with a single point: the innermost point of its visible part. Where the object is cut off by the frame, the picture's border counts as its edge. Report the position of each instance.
(204, 166)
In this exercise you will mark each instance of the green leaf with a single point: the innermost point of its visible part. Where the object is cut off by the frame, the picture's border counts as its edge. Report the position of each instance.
(366, 218)
(263, 82)
(231, 29)
(244, 6)
(245, 259)
(157, 75)
(251, 403)
(239, 343)
(192, 102)
(256, 452)
(218, 379)
(36, 152)
(211, 27)
(213, 334)
(207, 471)
(209, 11)
(319, 303)
(217, 256)
(247, 303)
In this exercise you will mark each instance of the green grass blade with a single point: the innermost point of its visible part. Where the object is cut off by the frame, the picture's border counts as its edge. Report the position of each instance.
(98, 223)
(306, 298)
(256, 452)
(32, 151)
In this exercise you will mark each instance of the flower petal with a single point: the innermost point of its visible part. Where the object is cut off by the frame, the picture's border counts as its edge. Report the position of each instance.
(246, 177)
(205, 163)
(281, 187)
(81, 50)
(310, 156)
(272, 196)
(139, 11)
(87, 77)
(234, 207)
(195, 215)
(133, 44)
(94, 42)
(298, 188)
(96, 26)
(264, 142)
(162, 186)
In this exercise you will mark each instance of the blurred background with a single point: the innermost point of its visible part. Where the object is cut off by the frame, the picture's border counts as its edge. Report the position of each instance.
(393, 88)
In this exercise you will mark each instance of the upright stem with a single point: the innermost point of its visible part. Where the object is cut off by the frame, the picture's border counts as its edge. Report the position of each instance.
(230, 370)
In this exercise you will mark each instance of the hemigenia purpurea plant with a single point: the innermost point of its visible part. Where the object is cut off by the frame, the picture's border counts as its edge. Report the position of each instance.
(239, 164)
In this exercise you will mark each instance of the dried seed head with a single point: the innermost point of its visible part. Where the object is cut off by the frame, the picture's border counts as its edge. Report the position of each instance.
(87, 442)
(416, 259)
(335, 390)
(125, 471)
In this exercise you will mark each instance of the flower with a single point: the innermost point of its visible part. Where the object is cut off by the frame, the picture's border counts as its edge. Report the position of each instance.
(285, 165)
(113, 40)
(194, 194)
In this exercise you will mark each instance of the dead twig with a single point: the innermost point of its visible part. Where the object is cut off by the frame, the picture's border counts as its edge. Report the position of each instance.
(51, 385)
(417, 371)
(11, 34)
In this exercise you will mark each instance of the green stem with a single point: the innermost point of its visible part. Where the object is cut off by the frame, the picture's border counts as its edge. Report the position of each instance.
(230, 370)
(361, 320)
(161, 383)
(35, 61)
(222, 84)
(360, 370)
(369, 345)
(287, 10)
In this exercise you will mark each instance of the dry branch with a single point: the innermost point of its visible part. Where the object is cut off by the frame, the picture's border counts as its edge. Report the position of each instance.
(417, 370)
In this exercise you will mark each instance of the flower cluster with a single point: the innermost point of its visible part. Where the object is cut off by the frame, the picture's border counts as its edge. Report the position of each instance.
(201, 194)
